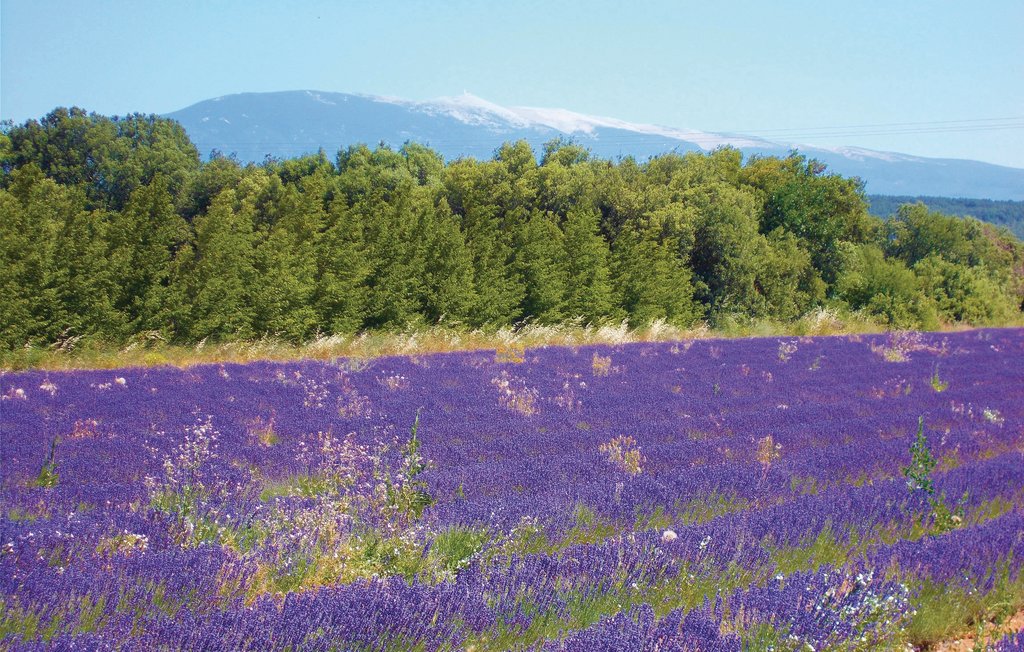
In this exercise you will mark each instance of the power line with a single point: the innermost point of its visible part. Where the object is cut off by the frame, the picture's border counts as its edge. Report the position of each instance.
(882, 124)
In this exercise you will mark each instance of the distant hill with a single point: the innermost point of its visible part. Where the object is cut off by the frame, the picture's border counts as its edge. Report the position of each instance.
(1008, 214)
(286, 124)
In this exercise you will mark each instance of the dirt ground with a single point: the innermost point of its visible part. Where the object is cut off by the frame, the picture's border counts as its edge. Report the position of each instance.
(966, 644)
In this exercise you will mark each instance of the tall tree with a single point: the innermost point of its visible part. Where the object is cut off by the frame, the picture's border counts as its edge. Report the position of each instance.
(56, 277)
(216, 279)
(820, 209)
(342, 270)
(144, 237)
(588, 290)
(448, 291)
(285, 270)
(487, 204)
(651, 282)
(396, 256)
(540, 260)
(883, 287)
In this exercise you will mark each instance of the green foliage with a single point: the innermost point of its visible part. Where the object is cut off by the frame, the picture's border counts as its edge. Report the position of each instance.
(915, 233)
(588, 289)
(650, 281)
(397, 255)
(1006, 214)
(541, 264)
(587, 528)
(943, 611)
(742, 272)
(144, 239)
(112, 230)
(453, 549)
(883, 287)
(107, 158)
(966, 294)
(922, 463)
(918, 473)
(819, 209)
(409, 496)
(342, 269)
(48, 476)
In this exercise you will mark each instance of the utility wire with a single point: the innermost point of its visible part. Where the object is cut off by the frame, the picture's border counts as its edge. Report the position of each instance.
(887, 124)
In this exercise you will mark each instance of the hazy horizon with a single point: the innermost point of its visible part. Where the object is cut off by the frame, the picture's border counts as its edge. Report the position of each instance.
(943, 81)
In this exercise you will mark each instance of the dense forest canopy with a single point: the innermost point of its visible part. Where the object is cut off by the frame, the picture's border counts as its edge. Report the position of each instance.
(1005, 213)
(114, 228)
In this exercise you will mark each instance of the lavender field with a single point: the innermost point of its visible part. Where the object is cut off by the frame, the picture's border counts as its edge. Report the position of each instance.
(848, 493)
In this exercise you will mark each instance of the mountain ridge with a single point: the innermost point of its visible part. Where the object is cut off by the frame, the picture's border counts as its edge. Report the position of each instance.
(290, 123)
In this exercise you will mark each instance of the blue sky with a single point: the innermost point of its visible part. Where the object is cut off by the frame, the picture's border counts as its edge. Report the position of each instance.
(943, 78)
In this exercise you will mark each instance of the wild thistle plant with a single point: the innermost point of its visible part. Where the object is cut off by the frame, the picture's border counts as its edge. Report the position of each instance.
(515, 395)
(48, 477)
(768, 450)
(919, 478)
(624, 454)
(190, 487)
(407, 492)
(601, 365)
(938, 384)
(786, 350)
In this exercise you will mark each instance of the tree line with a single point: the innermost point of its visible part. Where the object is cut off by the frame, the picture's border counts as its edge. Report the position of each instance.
(112, 228)
(1005, 213)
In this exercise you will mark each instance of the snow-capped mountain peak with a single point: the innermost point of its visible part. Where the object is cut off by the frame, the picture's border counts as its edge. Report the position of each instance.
(477, 111)
(291, 123)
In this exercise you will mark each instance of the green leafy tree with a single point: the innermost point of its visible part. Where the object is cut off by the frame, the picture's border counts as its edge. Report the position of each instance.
(743, 273)
(27, 236)
(216, 278)
(144, 238)
(448, 291)
(965, 294)
(820, 209)
(518, 158)
(285, 271)
(488, 205)
(108, 158)
(70, 146)
(342, 269)
(220, 173)
(650, 280)
(588, 289)
(81, 275)
(541, 263)
(565, 178)
(883, 287)
(372, 176)
(56, 276)
(396, 256)
(424, 164)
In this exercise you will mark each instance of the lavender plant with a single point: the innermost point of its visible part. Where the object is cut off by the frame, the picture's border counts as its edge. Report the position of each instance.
(774, 503)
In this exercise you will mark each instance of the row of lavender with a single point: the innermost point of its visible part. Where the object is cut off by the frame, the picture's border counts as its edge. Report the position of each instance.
(702, 494)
